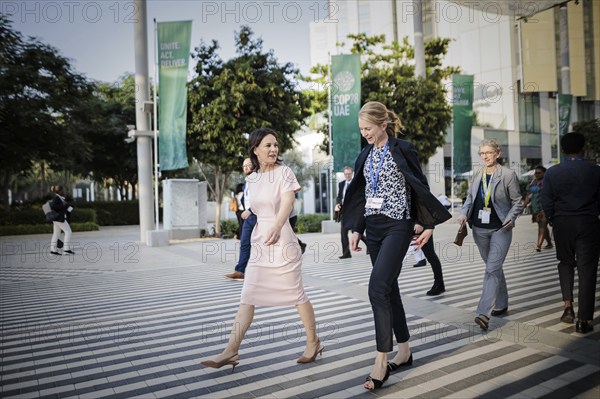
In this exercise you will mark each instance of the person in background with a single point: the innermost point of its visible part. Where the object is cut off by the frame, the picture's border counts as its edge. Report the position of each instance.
(388, 195)
(274, 275)
(534, 194)
(492, 206)
(427, 253)
(445, 201)
(61, 206)
(571, 202)
(239, 195)
(249, 221)
(339, 201)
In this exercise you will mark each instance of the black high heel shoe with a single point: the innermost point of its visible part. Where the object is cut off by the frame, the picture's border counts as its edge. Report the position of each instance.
(233, 360)
(318, 351)
(378, 383)
(393, 366)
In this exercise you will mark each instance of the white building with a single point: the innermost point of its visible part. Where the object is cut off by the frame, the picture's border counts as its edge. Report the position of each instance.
(513, 51)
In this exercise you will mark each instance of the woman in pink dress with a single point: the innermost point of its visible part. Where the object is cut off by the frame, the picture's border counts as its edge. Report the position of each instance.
(273, 276)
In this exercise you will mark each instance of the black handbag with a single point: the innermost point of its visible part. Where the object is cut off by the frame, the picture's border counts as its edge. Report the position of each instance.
(52, 216)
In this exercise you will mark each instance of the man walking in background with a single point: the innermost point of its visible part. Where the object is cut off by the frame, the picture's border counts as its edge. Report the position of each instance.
(571, 202)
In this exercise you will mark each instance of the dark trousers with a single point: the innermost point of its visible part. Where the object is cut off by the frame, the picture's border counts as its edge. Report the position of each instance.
(387, 240)
(245, 243)
(434, 261)
(238, 215)
(293, 220)
(577, 241)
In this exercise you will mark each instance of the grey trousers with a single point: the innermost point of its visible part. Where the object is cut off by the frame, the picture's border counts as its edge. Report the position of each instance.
(493, 246)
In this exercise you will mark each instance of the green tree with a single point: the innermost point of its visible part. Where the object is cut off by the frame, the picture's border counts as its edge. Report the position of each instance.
(103, 122)
(591, 131)
(388, 76)
(228, 100)
(38, 92)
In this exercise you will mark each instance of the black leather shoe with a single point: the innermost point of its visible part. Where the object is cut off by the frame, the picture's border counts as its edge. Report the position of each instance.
(420, 263)
(437, 289)
(345, 256)
(393, 366)
(499, 312)
(568, 315)
(68, 251)
(55, 253)
(583, 326)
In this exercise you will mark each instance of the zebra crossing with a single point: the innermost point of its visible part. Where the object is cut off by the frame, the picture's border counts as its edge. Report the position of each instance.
(106, 330)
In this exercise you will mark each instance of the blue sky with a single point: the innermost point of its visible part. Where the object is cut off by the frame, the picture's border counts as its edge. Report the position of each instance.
(98, 35)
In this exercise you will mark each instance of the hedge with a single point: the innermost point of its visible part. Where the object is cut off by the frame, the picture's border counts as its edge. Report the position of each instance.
(114, 213)
(35, 216)
(305, 224)
(310, 223)
(21, 229)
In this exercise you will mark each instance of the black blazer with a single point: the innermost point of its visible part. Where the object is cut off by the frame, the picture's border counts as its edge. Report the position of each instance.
(340, 195)
(426, 209)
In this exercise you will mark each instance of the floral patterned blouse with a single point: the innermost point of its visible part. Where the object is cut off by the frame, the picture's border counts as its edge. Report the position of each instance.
(391, 186)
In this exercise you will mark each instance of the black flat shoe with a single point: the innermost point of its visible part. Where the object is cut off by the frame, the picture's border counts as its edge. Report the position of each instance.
(377, 383)
(437, 289)
(499, 312)
(583, 327)
(345, 256)
(68, 251)
(55, 253)
(420, 263)
(568, 315)
(483, 322)
(393, 366)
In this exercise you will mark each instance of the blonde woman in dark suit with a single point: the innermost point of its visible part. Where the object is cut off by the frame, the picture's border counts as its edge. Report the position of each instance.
(387, 196)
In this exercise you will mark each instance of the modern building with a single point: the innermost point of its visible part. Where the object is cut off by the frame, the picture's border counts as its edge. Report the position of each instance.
(521, 56)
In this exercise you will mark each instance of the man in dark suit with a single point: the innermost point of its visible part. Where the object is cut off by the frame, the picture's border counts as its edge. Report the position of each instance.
(339, 201)
(571, 202)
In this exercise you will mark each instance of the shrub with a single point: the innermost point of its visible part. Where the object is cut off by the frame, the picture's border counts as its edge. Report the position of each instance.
(21, 229)
(310, 223)
(34, 216)
(228, 228)
(114, 213)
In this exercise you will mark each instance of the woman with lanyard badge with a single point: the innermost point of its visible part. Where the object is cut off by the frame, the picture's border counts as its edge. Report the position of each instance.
(492, 206)
(387, 196)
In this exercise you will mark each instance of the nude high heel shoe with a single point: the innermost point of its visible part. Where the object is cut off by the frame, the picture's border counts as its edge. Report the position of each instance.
(318, 351)
(233, 360)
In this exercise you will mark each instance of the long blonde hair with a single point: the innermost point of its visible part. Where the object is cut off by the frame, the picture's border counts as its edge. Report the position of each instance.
(376, 113)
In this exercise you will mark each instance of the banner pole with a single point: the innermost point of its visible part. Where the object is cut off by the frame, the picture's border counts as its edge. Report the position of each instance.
(155, 116)
(330, 136)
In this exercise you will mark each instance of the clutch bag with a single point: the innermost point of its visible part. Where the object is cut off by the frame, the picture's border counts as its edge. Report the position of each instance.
(461, 234)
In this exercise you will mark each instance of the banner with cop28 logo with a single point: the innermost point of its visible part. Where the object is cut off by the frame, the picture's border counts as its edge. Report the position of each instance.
(173, 59)
(345, 104)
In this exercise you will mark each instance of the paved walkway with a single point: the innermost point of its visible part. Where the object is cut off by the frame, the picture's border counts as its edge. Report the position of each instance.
(122, 320)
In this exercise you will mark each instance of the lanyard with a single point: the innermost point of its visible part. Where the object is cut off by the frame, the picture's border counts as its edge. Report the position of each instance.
(375, 178)
(486, 189)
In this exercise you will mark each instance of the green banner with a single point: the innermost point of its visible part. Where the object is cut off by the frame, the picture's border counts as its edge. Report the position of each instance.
(345, 104)
(173, 60)
(462, 114)
(564, 113)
